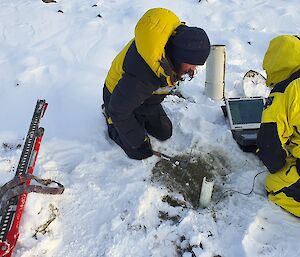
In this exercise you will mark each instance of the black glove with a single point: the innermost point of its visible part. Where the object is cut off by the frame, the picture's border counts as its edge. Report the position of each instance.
(144, 151)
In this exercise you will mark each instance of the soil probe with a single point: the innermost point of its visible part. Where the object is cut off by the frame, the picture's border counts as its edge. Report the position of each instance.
(180, 163)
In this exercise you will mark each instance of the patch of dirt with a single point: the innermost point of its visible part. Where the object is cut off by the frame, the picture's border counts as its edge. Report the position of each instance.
(166, 216)
(188, 181)
(173, 202)
(10, 146)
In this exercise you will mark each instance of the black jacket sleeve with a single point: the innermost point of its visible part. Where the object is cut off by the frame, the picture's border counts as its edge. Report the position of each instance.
(270, 149)
(129, 94)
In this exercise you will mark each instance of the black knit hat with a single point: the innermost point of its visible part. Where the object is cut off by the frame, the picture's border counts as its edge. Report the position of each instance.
(189, 45)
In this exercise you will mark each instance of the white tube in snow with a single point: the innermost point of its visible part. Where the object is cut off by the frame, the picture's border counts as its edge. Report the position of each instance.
(206, 192)
(215, 72)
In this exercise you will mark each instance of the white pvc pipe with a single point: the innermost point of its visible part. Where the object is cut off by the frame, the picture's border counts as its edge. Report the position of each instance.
(215, 72)
(206, 192)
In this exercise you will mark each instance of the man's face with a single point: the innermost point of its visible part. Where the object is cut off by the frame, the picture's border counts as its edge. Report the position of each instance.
(186, 68)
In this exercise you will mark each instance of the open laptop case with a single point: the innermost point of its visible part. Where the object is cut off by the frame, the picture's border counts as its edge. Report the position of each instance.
(244, 116)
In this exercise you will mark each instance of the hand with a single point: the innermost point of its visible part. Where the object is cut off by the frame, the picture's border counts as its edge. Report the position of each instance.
(145, 150)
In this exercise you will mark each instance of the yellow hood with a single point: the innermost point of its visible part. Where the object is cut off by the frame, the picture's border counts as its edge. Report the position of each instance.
(151, 35)
(282, 59)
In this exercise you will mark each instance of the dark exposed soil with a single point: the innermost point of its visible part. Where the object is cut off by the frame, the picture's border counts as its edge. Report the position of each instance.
(10, 146)
(188, 181)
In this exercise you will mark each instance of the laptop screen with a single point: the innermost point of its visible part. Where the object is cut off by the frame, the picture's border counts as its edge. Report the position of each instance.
(245, 112)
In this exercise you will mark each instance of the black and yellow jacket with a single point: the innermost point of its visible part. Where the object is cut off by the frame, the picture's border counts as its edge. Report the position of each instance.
(279, 134)
(141, 74)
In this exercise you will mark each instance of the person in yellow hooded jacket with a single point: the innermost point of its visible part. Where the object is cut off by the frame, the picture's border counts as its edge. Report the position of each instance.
(163, 50)
(279, 135)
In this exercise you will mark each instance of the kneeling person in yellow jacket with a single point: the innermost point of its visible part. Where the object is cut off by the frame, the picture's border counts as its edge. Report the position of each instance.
(279, 135)
(143, 73)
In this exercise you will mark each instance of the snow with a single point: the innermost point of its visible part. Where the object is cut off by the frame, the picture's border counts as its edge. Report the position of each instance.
(110, 207)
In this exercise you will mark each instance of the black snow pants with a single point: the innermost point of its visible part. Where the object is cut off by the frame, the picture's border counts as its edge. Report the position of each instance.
(155, 122)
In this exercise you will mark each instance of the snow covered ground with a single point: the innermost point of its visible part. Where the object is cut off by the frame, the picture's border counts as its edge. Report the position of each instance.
(110, 206)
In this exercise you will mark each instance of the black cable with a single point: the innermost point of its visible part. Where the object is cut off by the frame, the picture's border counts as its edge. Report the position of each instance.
(242, 193)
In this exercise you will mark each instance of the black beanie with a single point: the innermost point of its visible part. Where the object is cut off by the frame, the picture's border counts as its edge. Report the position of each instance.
(189, 45)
